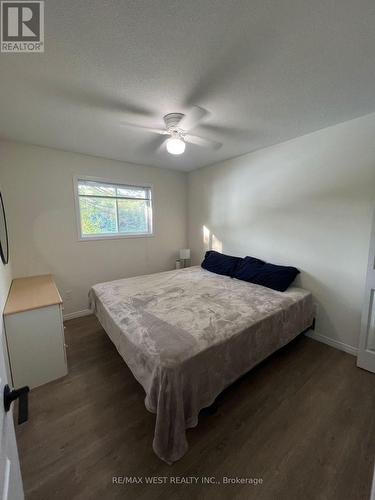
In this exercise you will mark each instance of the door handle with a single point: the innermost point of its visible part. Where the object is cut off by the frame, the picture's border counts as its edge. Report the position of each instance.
(22, 394)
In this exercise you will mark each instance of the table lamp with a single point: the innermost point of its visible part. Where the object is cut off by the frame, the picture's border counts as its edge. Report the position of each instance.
(185, 256)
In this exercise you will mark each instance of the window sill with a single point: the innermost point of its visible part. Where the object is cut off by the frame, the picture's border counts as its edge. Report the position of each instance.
(115, 237)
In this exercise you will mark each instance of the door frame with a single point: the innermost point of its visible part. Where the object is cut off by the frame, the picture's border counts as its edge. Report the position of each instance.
(366, 358)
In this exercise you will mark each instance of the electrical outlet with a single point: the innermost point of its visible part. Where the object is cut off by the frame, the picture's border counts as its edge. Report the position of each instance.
(68, 294)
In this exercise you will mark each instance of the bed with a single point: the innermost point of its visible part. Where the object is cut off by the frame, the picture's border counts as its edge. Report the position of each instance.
(188, 334)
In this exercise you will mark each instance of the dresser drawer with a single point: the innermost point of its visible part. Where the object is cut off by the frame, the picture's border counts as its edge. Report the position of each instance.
(34, 331)
(36, 347)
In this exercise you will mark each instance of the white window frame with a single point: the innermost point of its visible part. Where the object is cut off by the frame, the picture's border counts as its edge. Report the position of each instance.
(111, 236)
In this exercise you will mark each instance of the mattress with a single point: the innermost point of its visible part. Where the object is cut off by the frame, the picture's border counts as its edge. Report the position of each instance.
(188, 334)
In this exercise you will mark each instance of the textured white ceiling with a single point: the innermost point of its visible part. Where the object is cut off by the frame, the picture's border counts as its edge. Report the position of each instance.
(266, 70)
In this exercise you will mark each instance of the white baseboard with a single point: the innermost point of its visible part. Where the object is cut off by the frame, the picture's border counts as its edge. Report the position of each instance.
(333, 343)
(77, 314)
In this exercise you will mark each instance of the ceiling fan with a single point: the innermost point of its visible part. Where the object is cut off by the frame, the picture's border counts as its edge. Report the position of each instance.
(178, 127)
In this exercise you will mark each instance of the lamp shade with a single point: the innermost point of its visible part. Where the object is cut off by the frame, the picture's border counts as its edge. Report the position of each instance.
(185, 253)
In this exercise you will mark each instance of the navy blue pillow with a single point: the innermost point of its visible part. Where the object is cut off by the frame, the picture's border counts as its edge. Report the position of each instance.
(220, 264)
(248, 269)
(276, 277)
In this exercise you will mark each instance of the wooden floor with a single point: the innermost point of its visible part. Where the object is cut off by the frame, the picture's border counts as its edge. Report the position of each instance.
(303, 421)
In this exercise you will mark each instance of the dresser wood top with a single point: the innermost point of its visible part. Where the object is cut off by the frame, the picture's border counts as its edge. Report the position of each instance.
(26, 294)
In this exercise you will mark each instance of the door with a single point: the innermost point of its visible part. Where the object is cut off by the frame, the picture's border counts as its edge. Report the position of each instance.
(366, 353)
(10, 476)
(372, 497)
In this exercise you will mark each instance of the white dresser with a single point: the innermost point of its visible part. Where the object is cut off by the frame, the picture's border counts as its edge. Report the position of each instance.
(34, 331)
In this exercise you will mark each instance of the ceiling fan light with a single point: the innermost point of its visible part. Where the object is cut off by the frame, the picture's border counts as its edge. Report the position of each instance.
(175, 146)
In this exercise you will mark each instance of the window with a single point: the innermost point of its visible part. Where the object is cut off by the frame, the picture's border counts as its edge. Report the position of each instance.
(108, 210)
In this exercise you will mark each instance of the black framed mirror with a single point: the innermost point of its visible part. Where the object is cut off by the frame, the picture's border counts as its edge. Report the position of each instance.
(4, 243)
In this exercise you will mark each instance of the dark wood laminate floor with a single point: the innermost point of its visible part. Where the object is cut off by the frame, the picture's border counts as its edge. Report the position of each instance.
(303, 421)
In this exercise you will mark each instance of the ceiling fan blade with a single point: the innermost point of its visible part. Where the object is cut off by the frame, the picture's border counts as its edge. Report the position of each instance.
(191, 120)
(202, 141)
(160, 131)
(162, 147)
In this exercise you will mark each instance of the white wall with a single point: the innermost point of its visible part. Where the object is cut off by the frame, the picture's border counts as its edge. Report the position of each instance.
(38, 184)
(307, 202)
